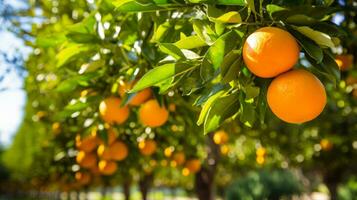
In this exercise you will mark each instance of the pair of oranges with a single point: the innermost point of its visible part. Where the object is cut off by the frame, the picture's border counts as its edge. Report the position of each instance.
(295, 95)
(150, 113)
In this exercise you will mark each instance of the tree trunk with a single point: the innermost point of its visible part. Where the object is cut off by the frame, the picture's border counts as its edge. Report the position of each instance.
(332, 187)
(204, 179)
(144, 185)
(126, 189)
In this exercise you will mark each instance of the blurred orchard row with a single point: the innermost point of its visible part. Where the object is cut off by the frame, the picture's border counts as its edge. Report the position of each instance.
(207, 99)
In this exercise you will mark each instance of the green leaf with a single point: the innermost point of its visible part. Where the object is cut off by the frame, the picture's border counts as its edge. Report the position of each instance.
(222, 109)
(231, 2)
(251, 92)
(320, 38)
(220, 16)
(222, 45)
(161, 73)
(76, 106)
(310, 47)
(231, 65)
(190, 42)
(208, 93)
(69, 52)
(248, 114)
(204, 31)
(67, 85)
(272, 8)
(161, 31)
(133, 6)
(207, 105)
(50, 40)
(171, 50)
(300, 19)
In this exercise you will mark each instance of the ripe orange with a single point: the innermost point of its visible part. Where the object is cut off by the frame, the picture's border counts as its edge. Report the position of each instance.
(86, 160)
(220, 137)
(168, 151)
(56, 128)
(107, 167)
(326, 145)
(82, 178)
(224, 149)
(111, 112)
(270, 51)
(86, 144)
(151, 114)
(147, 147)
(296, 96)
(344, 62)
(140, 96)
(194, 165)
(118, 151)
(179, 158)
(260, 160)
(103, 152)
(261, 152)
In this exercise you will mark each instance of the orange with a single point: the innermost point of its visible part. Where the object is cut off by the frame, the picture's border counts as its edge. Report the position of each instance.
(139, 98)
(168, 151)
(179, 158)
(82, 177)
(86, 160)
(147, 147)
(260, 160)
(224, 149)
(344, 62)
(107, 167)
(56, 128)
(103, 152)
(296, 96)
(86, 144)
(220, 137)
(194, 165)
(118, 151)
(261, 152)
(326, 145)
(152, 115)
(111, 112)
(172, 107)
(270, 51)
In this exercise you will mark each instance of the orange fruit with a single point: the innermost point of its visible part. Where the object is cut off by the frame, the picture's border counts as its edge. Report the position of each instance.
(86, 160)
(224, 149)
(168, 151)
(82, 177)
(261, 152)
(86, 144)
(270, 51)
(296, 96)
(344, 62)
(179, 158)
(111, 112)
(107, 167)
(118, 151)
(220, 137)
(172, 107)
(147, 147)
(260, 160)
(56, 128)
(103, 152)
(194, 165)
(152, 115)
(139, 98)
(326, 145)
(185, 171)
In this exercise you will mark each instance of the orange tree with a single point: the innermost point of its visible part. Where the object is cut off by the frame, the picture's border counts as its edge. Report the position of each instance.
(231, 59)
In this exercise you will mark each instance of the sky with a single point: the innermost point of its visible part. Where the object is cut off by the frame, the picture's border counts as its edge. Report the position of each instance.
(13, 99)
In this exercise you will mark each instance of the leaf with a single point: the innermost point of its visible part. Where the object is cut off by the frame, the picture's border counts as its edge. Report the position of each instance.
(50, 40)
(190, 42)
(251, 92)
(272, 8)
(320, 38)
(220, 110)
(161, 32)
(222, 45)
(76, 106)
(301, 20)
(217, 15)
(230, 66)
(208, 93)
(133, 6)
(161, 73)
(171, 50)
(247, 116)
(207, 105)
(231, 2)
(310, 47)
(67, 85)
(204, 31)
(69, 52)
